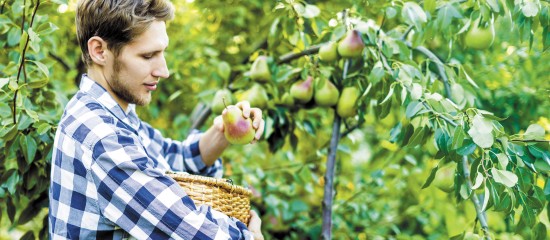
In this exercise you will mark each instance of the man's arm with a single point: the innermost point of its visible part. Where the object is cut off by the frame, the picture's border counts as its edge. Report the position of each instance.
(213, 142)
(147, 204)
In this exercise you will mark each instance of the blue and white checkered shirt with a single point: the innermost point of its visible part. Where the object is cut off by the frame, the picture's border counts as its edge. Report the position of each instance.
(108, 177)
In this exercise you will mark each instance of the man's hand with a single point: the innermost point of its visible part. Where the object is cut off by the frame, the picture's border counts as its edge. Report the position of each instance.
(258, 122)
(255, 226)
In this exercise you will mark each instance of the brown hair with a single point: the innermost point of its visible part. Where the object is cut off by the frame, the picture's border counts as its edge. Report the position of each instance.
(117, 22)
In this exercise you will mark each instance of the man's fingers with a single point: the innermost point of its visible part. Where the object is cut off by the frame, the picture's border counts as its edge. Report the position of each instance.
(256, 115)
(218, 122)
(260, 130)
(245, 106)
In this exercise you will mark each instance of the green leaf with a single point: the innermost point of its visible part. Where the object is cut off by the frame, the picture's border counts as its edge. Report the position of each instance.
(468, 148)
(485, 199)
(458, 137)
(42, 68)
(29, 235)
(528, 215)
(507, 178)
(534, 132)
(29, 146)
(539, 231)
(446, 14)
(9, 134)
(14, 35)
(479, 181)
(530, 9)
(414, 14)
(494, 5)
(3, 82)
(503, 160)
(431, 177)
(414, 108)
(442, 139)
(27, 214)
(224, 70)
(430, 5)
(10, 207)
(311, 11)
(481, 131)
(38, 83)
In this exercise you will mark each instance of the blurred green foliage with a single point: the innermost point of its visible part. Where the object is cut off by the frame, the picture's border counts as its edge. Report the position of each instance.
(381, 169)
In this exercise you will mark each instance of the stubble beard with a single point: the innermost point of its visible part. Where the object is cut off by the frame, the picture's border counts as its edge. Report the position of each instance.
(123, 91)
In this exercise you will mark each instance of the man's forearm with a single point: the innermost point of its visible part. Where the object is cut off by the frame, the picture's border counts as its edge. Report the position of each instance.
(212, 144)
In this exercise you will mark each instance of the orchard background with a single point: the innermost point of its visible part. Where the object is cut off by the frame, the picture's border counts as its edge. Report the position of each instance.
(448, 137)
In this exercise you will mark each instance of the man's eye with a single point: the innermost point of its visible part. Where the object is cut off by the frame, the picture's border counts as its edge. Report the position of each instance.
(148, 56)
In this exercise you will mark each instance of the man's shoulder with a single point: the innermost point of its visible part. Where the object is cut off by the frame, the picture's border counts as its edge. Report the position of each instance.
(86, 120)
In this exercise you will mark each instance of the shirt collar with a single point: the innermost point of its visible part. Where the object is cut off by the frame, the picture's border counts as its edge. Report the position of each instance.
(92, 88)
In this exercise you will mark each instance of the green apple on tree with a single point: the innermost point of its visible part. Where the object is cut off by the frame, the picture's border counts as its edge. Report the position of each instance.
(352, 45)
(302, 90)
(480, 38)
(237, 129)
(260, 70)
(347, 106)
(328, 52)
(218, 103)
(326, 94)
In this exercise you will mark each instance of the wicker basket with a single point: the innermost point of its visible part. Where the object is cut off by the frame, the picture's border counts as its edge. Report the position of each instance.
(219, 193)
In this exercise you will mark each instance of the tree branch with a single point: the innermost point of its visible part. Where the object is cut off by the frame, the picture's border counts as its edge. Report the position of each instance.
(479, 212)
(22, 63)
(65, 66)
(439, 64)
(291, 56)
(326, 232)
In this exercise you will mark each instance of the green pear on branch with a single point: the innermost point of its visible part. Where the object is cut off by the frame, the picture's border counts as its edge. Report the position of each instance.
(237, 129)
(256, 96)
(328, 52)
(218, 102)
(352, 45)
(286, 100)
(326, 94)
(302, 90)
(480, 38)
(260, 70)
(347, 104)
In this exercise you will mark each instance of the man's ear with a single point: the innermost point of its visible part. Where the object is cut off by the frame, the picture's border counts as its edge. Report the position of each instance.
(97, 49)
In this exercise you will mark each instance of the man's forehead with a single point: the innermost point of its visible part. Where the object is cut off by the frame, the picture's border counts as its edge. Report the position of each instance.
(154, 38)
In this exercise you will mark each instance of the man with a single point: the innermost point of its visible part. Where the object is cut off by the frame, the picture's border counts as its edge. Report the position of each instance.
(108, 172)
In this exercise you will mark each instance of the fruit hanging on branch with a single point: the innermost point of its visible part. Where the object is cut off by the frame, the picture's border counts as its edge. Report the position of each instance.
(218, 102)
(260, 70)
(328, 52)
(326, 94)
(347, 104)
(302, 90)
(238, 130)
(286, 100)
(479, 37)
(256, 96)
(352, 45)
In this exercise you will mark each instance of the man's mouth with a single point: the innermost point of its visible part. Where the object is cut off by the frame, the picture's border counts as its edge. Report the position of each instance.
(151, 86)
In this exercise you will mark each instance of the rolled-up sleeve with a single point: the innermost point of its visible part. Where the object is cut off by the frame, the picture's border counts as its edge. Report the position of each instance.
(146, 203)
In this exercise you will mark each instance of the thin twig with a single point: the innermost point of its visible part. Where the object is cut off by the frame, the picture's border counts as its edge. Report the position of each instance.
(22, 63)
(291, 56)
(479, 211)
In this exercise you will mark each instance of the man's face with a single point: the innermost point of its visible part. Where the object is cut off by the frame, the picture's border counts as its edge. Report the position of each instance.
(136, 71)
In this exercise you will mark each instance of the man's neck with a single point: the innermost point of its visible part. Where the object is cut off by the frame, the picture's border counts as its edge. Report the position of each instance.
(100, 78)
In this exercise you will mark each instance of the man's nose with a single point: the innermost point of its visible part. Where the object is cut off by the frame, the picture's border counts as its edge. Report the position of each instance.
(161, 70)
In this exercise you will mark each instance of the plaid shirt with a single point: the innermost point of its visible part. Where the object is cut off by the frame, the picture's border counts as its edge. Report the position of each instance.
(108, 177)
